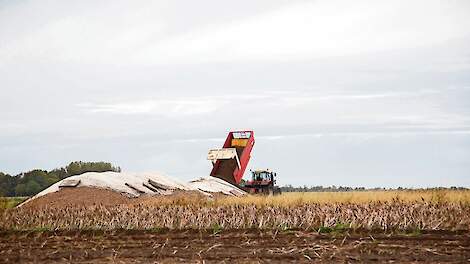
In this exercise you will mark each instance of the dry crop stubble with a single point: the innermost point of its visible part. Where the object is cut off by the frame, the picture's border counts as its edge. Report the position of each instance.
(356, 197)
(384, 210)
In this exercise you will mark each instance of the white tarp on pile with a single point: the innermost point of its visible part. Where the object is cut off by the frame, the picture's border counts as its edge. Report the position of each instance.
(136, 184)
(129, 184)
(215, 185)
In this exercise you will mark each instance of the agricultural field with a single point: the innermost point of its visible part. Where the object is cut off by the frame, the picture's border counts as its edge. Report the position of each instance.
(231, 246)
(427, 226)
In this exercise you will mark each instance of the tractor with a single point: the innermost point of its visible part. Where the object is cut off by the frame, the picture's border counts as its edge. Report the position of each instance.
(263, 182)
(230, 162)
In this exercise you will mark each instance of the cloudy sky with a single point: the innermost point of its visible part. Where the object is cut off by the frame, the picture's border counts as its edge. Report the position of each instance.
(357, 93)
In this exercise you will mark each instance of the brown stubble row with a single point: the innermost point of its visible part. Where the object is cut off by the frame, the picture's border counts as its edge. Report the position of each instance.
(388, 215)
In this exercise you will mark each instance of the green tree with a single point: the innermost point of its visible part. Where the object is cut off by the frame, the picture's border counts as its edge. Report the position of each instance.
(7, 185)
(32, 182)
(79, 167)
(20, 189)
(32, 188)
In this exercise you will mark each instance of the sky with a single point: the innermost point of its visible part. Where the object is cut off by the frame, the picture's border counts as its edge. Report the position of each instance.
(351, 93)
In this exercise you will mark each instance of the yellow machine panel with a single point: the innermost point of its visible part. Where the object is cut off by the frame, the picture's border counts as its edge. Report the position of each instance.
(239, 142)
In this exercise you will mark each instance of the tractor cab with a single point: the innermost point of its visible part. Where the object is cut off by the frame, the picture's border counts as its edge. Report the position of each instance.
(262, 181)
(262, 177)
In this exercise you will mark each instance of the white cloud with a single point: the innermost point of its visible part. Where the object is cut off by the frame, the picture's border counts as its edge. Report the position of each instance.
(359, 109)
(126, 33)
(298, 100)
(391, 133)
(162, 107)
(317, 29)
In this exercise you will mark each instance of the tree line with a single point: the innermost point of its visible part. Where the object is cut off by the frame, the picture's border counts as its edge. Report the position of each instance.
(32, 182)
(333, 188)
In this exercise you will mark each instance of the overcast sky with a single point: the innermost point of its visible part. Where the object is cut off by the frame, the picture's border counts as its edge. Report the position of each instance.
(356, 93)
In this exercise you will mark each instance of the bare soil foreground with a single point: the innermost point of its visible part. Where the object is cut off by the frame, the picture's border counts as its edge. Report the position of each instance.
(239, 246)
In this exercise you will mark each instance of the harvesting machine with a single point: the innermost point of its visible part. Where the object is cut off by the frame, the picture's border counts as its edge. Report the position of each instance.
(231, 161)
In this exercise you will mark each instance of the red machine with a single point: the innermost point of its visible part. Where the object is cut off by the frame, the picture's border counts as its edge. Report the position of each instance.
(262, 181)
(230, 162)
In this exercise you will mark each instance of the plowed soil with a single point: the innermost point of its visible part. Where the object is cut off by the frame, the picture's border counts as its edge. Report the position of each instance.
(240, 246)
